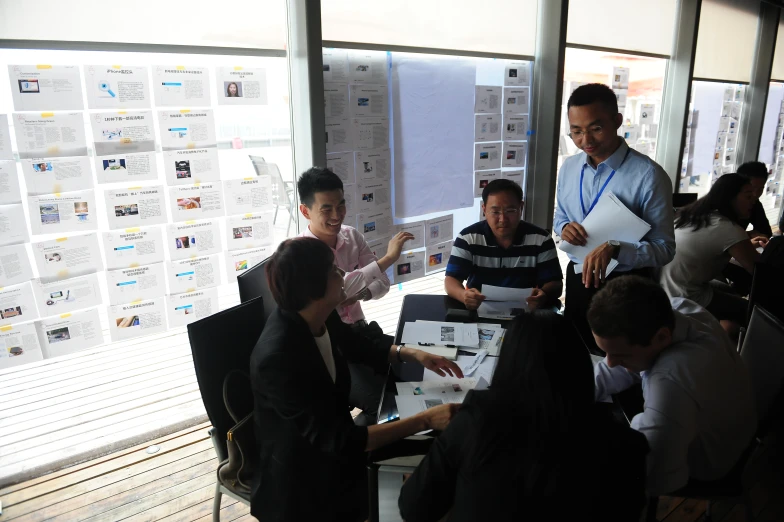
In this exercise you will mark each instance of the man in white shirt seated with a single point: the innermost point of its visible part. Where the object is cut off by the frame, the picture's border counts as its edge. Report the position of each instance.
(699, 413)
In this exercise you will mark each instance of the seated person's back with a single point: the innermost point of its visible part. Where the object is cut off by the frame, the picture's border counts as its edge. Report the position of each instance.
(535, 441)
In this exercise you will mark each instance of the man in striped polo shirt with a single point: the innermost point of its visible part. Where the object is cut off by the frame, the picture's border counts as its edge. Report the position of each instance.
(504, 251)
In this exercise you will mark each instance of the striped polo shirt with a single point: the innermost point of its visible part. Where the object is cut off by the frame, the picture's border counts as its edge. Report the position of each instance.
(530, 261)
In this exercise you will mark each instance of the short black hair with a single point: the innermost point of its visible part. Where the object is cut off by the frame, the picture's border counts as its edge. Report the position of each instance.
(298, 272)
(316, 179)
(502, 185)
(753, 169)
(593, 93)
(630, 307)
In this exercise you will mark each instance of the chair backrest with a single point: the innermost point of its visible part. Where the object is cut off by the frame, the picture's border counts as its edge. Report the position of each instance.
(262, 168)
(253, 284)
(681, 199)
(766, 288)
(763, 353)
(221, 343)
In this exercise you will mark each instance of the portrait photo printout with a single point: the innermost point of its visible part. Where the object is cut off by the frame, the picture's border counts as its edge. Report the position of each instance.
(59, 297)
(189, 275)
(200, 201)
(70, 333)
(49, 134)
(241, 86)
(46, 87)
(181, 86)
(54, 175)
(117, 87)
(133, 284)
(17, 304)
(15, 266)
(249, 231)
(132, 247)
(135, 206)
(189, 166)
(193, 239)
(136, 319)
(66, 257)
(19, 345)
(67, 212)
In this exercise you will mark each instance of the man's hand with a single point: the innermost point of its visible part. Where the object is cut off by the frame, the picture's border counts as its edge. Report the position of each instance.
(759, 241)
(472, 298)
(438, 417)
(537, 299)
(396, 243)
(595, 265)
(438, 364)
(574, 234)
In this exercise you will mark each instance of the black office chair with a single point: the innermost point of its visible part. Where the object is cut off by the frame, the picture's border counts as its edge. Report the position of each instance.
(221, 343)
(766, 286)
(763, 353)
(253, 283)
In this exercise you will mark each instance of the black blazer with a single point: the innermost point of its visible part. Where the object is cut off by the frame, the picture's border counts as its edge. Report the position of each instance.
(311, 455)
(602, 471)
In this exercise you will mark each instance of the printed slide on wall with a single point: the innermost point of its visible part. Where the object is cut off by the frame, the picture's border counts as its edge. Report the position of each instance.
(241, 86)
(240, 261)
(46, 134)
(70, 333)
(117, 87)
(59, 297)
(368, 101)
(373, 164)
(373, 196)
(136, 319)
(54, 175)
(487, 99)
(482, 178)
(487, 156)
(336, 101)
(6, 153)
(516, 100)
(10, 192)
(19, 345)
(515, 154)
(181, 86)
(516, 127)
(409, 266)
(124, 146)
(439, 229)
(517, 73)
(133, 284)
(193, 239)
(183, 309)
(66, 257)
(200, 201)
(487, 127)
(249, 231)
(375, 225)
(17, 304)
(438, 256)
(136, 206)
(415, 228)
(367, 67)
(339, 136)
(370, 133)
(10, 231)
(46, 87)
(189, 166)
(335, 65)
(342, 164)
(67, 212)
(189, 275)
(248, 195)
(187, 129)
(15, 267)
(133, 247)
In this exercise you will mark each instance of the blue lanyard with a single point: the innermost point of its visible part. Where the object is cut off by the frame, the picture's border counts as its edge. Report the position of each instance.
(599, 195)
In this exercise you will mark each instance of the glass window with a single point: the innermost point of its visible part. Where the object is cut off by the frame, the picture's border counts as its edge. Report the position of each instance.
(726, 39)
(772, 151)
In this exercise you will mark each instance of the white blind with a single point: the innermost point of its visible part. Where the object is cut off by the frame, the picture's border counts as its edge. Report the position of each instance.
(725, 42)
(463, 25)
(623, 24)
(777, 73)
(238, 23)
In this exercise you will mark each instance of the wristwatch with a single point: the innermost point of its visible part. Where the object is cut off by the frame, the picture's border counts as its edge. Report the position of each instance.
(616, 246)
(365, 294)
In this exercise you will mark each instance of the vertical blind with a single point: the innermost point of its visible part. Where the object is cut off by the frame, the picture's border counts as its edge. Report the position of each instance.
(726, 39)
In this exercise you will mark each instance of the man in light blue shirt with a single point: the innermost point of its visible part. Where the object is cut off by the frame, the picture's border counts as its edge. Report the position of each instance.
(607, 164)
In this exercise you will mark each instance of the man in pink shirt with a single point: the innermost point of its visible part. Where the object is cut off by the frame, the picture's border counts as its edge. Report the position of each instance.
(324, 206)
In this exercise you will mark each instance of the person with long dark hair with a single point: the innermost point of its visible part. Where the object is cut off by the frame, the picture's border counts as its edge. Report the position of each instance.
(708, 233)
(534, 440)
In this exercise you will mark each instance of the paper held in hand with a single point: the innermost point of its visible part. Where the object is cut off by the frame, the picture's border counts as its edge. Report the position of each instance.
(503, 303)
(610, 219)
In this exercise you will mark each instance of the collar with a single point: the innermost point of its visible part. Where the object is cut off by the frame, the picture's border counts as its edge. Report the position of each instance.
(342, 236)
(614, 161)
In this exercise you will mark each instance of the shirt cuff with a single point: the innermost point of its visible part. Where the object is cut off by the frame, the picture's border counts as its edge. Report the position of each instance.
(372, 272)
(627, 254)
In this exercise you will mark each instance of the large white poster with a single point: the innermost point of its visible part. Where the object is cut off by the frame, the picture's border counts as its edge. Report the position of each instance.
(46, 87)
(134, 284)
(241, 86)
(46, 134)
(17, 304)
(15, 267)
(117, 87)
(189, 275)
(137, 319)
(201, 201)
(70, 333)
(183, 309)
(53, 175)
(193, 239)
(136, 206)
(189, 166)
(187, 129)
(68, 212)
(59, 297)
(66, 257)
(248, 195)
(249, 231)
(133, 247)
(181, 86)
(19, 345)
(240, 261)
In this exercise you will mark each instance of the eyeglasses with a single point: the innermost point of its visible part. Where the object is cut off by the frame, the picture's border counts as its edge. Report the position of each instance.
(593, 131)
(508, 212)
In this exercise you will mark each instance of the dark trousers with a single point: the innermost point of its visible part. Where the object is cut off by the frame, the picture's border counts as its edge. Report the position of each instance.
(578, 298)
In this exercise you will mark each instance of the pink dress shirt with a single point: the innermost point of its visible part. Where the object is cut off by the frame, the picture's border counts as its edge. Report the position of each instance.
(352, 253)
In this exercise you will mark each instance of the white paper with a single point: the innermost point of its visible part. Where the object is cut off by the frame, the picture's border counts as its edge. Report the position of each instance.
(133, 284)
(193, 238)
(46, 87)
(194, 274)
(630, 133)
(515, 154)
(6, 153)
(121, 133)
(117, 87)
(336, 101)
(137, 319)
(368, 101)
(46, 134)
(440, 334)
(516, 74)
(516, 100)
(185, 167)
(240, 261)
(335, 65)
(125, 168)
(133, 247)
(370, 133)
(731, 140)
(409, 266)
(350, 196)
(68, 212)
(487, 99)
(181, 86)
(249, 231)
(438, 256)
(367, 67)
(439, 230)
(373, 196)
(372, 164)
(241, 86)
(374, 225)
(620, 79)
(53, 175)
(487, 156)
(248, 195)
(66, 257)
(621, 96)
(482, 178)
(447, 386)
(647, 113)
(10, 191)
(410, 405)
(10, 231)
(187, 129)
(491, 337)
(515, 175)
(487, 127)
(200, 201)
(516, 127)
(415, 228)
(501, 310)
(183, 309)
(19, 345)
(135, 206)
(59, 297)
(379, 247)
(339, 136)
(17, 304)
(70, 333)
(342, 164)
(15, 267)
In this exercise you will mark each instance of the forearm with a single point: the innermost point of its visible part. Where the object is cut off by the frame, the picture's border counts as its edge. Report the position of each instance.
(610, 381)
(406, 354)
(386, 261)
(553, 289)
(650, 253)
(381, 435)
(454, 288)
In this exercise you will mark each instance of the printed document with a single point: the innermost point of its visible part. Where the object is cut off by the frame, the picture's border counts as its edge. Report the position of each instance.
(240, 261)
(10, 231)
(503, 303)
(46, 87)
(248, 195)
(183, 309)
(187, 129)
(137, 319)
(409, 266)
(133, 247)
(17, 304)
(55, 175)
(194, 274)
(117, 87)
(15, 267)
(68, 212)
(10, 191)
(66, 257)
(342, 164)
(438, 256)
(249, 231)
(135, 206)
(372, 165)
(70, 333)
(19, 345)
(193, 239)
(443, 334)
(46, 134)
(200, 201)
(133, 284)
(241, 86)
(181, 86)
(59, 297)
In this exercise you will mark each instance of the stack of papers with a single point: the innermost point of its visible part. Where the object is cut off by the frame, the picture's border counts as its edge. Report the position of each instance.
(503, 303)
(416, 397)
(440, 338)
(491, 337)
(610, 219)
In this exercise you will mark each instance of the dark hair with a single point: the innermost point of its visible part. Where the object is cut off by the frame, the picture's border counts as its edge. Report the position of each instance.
(228, 92)
(298, 272)
(718, 199)
(630, 307)
(594, 93)
(316, 179)
(753, 169)
(544, 377)
(502, 185)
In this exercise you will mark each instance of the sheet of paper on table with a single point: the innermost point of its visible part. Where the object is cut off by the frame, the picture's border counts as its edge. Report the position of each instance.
(447, 386)
(449, 334)
(410, 404)
(491, 336)
(484, 370)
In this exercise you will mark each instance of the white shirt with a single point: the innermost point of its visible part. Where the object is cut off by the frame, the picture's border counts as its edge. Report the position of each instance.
(324, 345)
(699, 412)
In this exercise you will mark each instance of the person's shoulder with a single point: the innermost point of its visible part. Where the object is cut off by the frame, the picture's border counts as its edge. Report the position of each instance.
(654, 172)
(531, 229)
(572, 163)
(478, 228)
(350, 233)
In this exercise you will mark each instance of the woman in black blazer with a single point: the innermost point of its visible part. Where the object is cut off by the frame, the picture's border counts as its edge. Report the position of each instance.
(534, 446)
(311, 455)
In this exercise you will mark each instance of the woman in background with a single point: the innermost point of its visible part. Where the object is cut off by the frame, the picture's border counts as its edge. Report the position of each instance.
(533, 441)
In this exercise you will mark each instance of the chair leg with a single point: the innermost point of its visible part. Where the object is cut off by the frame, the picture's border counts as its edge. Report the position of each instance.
(216, 504)
(650, 513)
(748, 506)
